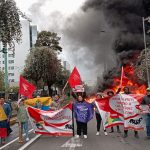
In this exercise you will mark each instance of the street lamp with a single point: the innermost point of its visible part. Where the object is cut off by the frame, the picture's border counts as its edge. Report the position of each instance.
(146, 59)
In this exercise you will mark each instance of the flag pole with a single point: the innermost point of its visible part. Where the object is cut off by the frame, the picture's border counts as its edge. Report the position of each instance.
(121, 76)
(73, 120)
(65, 87)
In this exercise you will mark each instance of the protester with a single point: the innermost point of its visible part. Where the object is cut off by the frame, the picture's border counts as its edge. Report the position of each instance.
(127, 91)
(38, 104)
(22, 117)
(111, 93)
(57, 102)
(3, 122)
(83, 113)
(146, 101)
(98, 117)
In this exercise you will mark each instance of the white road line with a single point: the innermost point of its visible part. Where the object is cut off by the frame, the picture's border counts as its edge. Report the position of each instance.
(13, 141)
(30, 142)
(73, 143)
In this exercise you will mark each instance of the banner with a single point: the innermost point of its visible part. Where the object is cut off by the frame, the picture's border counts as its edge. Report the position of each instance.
(57, 123)
(121, 109)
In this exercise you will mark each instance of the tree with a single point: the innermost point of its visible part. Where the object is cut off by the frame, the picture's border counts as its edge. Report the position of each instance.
(141, 70)
(10, 26)
(2, 86)
(48, 39)
(42, 64)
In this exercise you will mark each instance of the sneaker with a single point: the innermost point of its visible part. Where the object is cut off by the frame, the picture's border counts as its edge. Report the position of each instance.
(97, 133)
(27, 139)
(105, 133)
(85, 136)
(77, 136)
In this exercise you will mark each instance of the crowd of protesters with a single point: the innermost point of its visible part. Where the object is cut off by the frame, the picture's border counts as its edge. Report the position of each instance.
(57, 103)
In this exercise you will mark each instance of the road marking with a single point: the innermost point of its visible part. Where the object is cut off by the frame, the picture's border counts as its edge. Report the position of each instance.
(13, 141)
(73, 143)
(30, 142)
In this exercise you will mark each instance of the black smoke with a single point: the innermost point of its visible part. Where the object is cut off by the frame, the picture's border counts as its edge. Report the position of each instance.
(126, 17)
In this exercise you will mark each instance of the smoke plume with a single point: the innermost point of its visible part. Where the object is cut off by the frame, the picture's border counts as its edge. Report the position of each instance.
(101, 32)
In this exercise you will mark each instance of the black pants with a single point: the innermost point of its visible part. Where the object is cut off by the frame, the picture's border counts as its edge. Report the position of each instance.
(126, 132)
(98, 120)
(81, 127)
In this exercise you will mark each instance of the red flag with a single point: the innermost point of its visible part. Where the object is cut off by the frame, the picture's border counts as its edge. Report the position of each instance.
(26, 88)
(74, 78)
(124, 79)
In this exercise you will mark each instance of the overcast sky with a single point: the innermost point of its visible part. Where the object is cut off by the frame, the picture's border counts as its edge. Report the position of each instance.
(52, 15)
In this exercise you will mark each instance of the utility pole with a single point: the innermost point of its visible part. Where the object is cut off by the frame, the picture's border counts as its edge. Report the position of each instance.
(146, 59)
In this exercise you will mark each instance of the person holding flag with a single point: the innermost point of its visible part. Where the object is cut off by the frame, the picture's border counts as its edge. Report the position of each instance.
(22, 117)
(127, 91)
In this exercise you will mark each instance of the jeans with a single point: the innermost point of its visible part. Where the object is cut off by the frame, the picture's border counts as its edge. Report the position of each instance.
(148, 125)
(24, 126)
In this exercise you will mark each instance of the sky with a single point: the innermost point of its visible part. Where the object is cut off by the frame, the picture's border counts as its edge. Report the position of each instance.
(52, 15)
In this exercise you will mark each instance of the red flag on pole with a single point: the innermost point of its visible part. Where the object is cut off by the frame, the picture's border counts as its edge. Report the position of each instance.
(124, 80)
(26, 88)
(74, 78)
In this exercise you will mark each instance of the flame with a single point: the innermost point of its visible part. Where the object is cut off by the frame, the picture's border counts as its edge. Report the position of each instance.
(134, 87)
(91, 99)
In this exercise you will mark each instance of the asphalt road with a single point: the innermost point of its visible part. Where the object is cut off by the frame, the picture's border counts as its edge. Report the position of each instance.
(113, 141)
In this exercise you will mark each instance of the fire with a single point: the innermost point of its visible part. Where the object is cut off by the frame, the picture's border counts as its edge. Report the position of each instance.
(130, 82)
(91, 99)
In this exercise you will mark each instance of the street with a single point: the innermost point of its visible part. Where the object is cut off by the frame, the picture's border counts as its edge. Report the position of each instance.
(102, 142)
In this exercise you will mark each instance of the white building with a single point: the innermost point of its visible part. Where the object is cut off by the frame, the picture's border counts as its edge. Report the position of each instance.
(66, 65)
(16, 63)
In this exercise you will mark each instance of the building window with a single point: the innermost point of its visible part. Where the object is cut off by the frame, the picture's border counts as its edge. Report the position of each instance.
(11, 61)
(11, 68)
(11, 74)
(10, 55)
(3, 62)
(11, 80)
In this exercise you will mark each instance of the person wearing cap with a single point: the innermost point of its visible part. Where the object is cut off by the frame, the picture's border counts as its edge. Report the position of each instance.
(98, 117)
(146, 101)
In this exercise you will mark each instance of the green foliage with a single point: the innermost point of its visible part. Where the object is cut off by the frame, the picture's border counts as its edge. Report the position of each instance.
(10, 27)
(42, 64)
(2, 85)
(48, 39)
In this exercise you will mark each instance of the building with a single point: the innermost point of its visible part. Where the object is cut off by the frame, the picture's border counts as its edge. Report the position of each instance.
(66, 65)
(16, 62)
